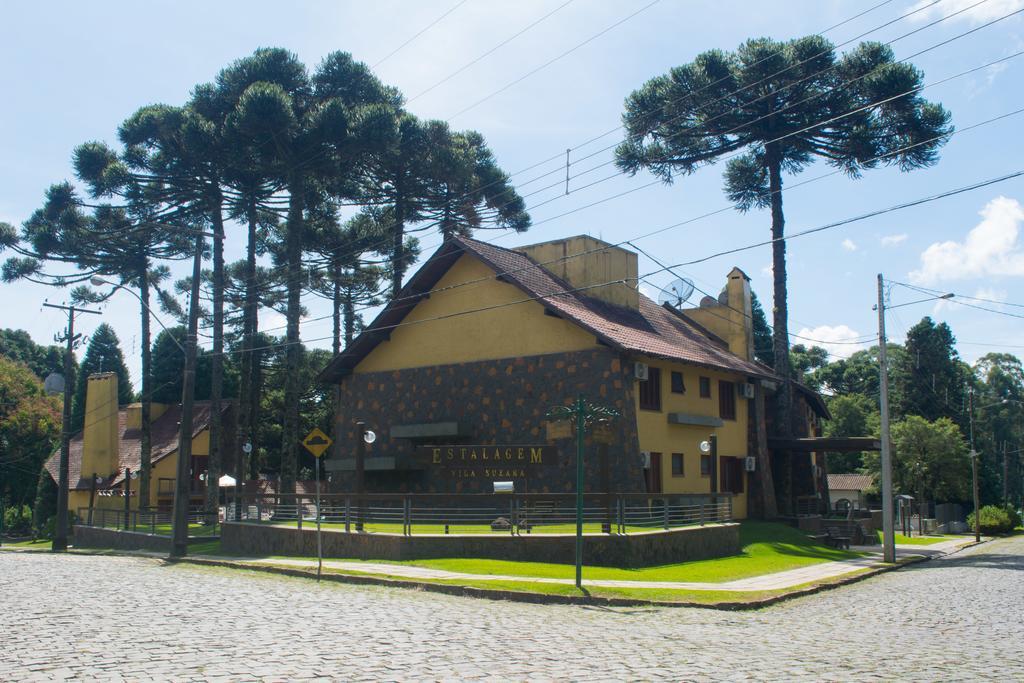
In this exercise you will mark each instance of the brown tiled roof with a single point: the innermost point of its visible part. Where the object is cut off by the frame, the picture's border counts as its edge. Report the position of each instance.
(651, 331)
(163, 438)
(850, 482)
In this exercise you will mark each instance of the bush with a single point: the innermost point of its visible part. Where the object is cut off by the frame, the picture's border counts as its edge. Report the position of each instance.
(17, 520)
(994, 520)
(1014, 515)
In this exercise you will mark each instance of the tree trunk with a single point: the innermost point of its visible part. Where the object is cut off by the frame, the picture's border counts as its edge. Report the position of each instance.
(213, 463)
(336, 301)
(398, 247)
(247, 389)
(783, 422)
(254, 407)
(145, 432)
(349, 316)
(768, 506)
(293, 351)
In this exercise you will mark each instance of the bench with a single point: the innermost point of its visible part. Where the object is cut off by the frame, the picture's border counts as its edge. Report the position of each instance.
(836, 539)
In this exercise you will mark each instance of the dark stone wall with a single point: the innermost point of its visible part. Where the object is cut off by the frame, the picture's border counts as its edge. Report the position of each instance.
(633, 550)
(500, 402)
(98, 537)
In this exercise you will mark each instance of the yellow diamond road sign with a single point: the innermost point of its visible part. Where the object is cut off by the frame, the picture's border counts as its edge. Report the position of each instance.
(316, 442)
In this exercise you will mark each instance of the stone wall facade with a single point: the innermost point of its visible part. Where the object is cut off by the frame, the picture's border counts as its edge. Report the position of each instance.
(633, 550)
(499, 402)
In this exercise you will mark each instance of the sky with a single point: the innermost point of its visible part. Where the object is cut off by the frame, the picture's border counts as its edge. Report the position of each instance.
(538, 77)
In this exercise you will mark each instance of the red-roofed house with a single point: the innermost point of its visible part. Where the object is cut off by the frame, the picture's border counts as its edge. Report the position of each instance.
(110, 445)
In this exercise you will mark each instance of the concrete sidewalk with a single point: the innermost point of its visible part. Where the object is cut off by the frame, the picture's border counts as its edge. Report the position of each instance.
(766, 582)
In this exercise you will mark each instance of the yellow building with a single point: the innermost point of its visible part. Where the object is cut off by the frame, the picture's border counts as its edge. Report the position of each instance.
(483, 341)
(110, 445)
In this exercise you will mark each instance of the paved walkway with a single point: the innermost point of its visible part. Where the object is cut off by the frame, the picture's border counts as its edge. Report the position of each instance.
(777, 581)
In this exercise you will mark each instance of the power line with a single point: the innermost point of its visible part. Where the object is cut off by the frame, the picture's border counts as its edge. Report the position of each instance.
(615, 175)
(575, 290)
(553, 60)
(417, 35)
(790, 134)
(489, 52)
(729, 207)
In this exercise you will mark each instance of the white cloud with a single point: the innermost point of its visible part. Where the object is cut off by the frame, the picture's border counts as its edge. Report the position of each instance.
(893, 240)
(849, 245)
(991, 248)
(833, 338)
(768, 271)
(993, 71)
(650, 292)
(985, 11)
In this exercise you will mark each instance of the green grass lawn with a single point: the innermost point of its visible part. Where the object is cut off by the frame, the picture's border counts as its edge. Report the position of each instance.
(396, 528)
(919, 540)
(766, 548)
(40, 544)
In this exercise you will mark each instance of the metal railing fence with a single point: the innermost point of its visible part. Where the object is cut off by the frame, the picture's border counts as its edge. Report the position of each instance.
(156, 521)
(515, 514)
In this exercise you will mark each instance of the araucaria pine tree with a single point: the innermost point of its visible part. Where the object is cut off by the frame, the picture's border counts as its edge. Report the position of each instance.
(771, 108)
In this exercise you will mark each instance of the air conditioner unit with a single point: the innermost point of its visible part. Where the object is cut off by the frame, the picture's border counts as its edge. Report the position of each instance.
(645, 459)
(746, 390)
(750, 463)
(640, 371)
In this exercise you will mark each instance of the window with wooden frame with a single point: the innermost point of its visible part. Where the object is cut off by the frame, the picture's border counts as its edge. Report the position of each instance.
(678, 467)
(705, 464)
(726, 400)
(732, 475)
(678, 386)
(705, 387)
(650, 390)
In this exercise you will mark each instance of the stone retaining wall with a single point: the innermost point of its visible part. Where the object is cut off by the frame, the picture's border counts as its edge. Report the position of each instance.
(98, 537)
(632, 550)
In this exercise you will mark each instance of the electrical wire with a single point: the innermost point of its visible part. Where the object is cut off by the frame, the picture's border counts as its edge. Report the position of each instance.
(417, 34)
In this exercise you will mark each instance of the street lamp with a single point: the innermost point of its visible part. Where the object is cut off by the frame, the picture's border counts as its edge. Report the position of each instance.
(97, 281)
(365, 436)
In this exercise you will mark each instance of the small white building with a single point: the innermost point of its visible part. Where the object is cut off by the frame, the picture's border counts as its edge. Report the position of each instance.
(848, 489)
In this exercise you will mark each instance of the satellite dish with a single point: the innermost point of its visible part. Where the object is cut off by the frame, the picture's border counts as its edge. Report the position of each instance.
(676, 293)
(54, 383)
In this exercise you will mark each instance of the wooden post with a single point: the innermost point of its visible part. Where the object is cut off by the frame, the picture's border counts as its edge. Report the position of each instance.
(127, 496)
(92, 496)
(606, 486)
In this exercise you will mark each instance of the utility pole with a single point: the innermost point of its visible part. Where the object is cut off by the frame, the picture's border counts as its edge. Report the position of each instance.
(1006, 476)
(60, 535)
(974, 470)
(888, 533)
(179, 546)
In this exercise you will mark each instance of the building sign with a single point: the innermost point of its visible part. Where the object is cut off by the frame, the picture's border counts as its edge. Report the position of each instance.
(462, 461)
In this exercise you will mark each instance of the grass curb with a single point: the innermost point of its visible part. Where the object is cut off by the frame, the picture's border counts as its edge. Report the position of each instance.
(547, 598)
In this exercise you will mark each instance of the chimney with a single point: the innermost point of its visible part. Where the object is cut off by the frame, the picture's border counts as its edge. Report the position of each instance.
(730, 316)
(101, 436)
(585, 261)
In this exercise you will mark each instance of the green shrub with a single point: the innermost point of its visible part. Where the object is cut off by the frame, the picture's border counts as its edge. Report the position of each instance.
(1014, 515)
(994, 520)
(17, 520)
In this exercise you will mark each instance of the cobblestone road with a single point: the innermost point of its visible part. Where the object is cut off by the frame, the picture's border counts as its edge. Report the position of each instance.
(957, 618)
